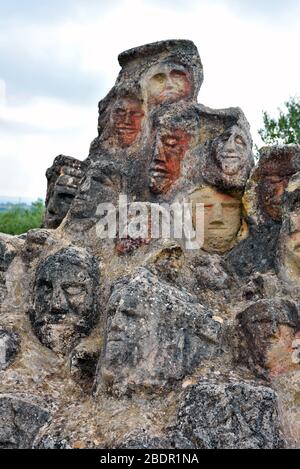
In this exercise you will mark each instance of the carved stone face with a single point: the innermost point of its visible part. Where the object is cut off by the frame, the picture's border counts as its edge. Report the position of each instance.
(270, 329)
(232, 154)
(169, 83)
(222, 218)
(169, 151)
(153, 335)
(59, 204)
(275, 177)
(64, 299)
(126, 120)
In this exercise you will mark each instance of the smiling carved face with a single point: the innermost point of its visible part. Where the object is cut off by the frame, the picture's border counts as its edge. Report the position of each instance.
(169, 83)
(126, 120)
(232, 153)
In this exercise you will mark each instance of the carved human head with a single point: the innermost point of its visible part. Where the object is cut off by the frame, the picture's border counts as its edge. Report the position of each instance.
(126, 119)
(233, 155)
(222, 218)
(169, 82)
(65, 298)
(174, 131)
(228, 160)
(275, 168)
(167, 71)
(64, 178)
(269, 331)
(155, 335)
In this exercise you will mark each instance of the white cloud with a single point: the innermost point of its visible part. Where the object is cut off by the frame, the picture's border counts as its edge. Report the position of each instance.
(2, 94)
(249, 62)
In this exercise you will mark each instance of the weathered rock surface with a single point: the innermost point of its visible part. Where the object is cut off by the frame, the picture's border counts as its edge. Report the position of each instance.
(9, 347)
(176, 344)
(20, 421)
(230, 415)
(156, 335)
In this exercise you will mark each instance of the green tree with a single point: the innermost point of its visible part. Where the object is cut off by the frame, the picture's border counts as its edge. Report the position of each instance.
(286, 128)
(19, 220)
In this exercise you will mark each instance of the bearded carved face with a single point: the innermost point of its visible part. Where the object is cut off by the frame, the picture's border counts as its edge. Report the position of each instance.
(169, 83)
(64, 299)
(222, 218)
(232, 154)
(169, 151)
(126, 120)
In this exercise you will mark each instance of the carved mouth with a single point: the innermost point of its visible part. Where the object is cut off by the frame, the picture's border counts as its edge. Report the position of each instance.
(126, 130)
(157, 171)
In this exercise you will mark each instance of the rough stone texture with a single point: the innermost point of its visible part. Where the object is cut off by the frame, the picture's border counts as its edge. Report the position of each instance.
(156, 334)
(230, 415)
(20, 421)
(139, 439)
(9, 347)
(169, 347)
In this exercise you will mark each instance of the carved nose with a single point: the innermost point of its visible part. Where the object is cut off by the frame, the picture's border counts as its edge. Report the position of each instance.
(169, 84)
(216, 217)
(59, 304)
(160, 155)
(127, 118)
(230, 145)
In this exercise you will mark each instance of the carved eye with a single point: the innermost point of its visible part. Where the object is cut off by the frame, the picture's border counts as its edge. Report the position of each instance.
(45, 287)
(74, 290)
(120, 112)
(138, 114)
(177, 74)
(160, 77)
(239, 140)
(66, 197)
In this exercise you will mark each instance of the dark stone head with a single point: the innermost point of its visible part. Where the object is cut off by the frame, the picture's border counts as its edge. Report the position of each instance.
(65, 298)
(63, 178)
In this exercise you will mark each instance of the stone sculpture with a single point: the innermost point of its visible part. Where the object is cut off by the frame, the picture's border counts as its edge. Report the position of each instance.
(172, 346)
(63, 179)
(65, 301)
(223, 219)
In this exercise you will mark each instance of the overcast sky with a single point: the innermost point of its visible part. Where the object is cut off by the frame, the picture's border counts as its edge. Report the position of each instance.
(58, 58)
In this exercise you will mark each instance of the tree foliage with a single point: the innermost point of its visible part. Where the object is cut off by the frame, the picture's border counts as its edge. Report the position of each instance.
(19, 220)
(286, 128)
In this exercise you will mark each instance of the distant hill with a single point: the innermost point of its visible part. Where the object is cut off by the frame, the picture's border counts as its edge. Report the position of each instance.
(8, 203)
(16, 200)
